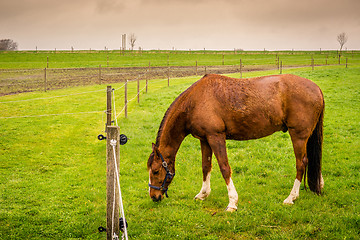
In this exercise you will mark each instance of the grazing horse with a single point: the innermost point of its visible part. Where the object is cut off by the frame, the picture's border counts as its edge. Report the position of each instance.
(216, 108)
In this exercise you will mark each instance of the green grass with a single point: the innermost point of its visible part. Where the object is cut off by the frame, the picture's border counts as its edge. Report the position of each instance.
(52, 170)
(80, 59)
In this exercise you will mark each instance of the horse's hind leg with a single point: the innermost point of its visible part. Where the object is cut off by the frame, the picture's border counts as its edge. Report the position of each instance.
(206, 168)
(299, 145)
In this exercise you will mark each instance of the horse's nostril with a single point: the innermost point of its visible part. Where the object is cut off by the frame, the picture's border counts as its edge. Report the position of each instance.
(156, 199)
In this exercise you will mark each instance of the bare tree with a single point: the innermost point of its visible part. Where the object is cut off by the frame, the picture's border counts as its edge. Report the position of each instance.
(342, 39)
(8, 45)
(132, 40)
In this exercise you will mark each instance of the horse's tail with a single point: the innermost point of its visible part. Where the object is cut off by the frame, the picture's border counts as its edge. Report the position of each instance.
(314, 154)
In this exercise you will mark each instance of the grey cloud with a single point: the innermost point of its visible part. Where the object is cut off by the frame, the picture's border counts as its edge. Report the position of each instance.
(188, 23)
(112, 6)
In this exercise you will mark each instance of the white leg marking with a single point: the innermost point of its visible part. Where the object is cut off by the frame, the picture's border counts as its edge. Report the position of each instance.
(233, 197)
(205, 189)
(294, 194)
(322, 183)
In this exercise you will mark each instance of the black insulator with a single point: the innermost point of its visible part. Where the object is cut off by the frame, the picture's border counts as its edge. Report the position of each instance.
(121, 224)
(101, 137)
(123, 139)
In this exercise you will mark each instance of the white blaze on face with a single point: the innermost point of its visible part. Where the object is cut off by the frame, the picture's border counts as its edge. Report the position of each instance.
(149, 180)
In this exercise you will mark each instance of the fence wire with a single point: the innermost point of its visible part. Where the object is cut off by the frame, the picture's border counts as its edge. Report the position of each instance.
(14, 81)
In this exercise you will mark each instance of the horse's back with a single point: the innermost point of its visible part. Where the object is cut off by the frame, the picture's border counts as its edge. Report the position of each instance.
(254, 94)
(249, 108)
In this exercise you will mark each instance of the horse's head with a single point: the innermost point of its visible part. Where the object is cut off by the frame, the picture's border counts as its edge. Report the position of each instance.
(161, 173)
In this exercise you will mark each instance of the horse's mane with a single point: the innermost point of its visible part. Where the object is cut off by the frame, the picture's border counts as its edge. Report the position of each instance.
(171, 107)
(163, 122)
(165, 118)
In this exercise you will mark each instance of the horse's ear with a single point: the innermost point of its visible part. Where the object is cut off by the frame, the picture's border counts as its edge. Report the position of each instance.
(155, 149)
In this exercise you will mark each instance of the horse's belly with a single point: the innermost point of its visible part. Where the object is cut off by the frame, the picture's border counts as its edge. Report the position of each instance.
(248, 135)
(246, 130)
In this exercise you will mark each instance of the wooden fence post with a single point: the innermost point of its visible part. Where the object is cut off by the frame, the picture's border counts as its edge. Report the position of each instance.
(126, 101)
(240, 68)
(100, 74)
(45, 80)
(168, 75)
(280, 67)
(146, 87)
(47, 62)
(346, 62)
(108, 105)
(312, 63)
(278, 63)
(112, 200)
(138, 90)
(168, 70)
(148, 77)
(196, 68)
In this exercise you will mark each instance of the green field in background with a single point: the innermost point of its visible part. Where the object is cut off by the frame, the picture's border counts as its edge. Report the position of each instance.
(85, 59)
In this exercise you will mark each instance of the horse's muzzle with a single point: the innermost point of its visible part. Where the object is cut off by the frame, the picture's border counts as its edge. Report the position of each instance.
(156, 199)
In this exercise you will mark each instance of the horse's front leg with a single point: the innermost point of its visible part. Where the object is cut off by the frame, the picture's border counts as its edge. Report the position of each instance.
(218, 145)
(206, 169)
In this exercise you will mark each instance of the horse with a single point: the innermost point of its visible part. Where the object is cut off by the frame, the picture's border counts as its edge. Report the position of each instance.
(217, 108)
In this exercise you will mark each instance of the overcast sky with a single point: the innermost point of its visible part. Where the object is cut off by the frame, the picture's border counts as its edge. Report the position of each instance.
(182, 24)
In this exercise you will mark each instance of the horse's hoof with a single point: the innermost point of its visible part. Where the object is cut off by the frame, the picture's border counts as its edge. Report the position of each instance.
(201, 196)
(231, 209)
(288, 202)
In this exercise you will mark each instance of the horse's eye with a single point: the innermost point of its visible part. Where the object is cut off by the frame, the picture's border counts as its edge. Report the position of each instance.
(155, 172)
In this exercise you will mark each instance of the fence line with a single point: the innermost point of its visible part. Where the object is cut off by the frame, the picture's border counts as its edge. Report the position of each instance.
(165, 72)
(45, 98)
(74, 113)
(54, 114)
(127, 102)
(25, 80)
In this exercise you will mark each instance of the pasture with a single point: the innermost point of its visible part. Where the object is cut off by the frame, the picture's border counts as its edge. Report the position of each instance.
(52, 169)
(92, 59)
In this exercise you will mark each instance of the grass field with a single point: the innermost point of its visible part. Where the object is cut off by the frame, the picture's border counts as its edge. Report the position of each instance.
(84, 59)
(52, 169)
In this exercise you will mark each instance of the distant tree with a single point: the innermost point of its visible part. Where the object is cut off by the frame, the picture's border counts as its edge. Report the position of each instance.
(132, 40)
(342, 39)
(8, 45)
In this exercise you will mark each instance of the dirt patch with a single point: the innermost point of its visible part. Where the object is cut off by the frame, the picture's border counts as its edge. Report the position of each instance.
(17, 81)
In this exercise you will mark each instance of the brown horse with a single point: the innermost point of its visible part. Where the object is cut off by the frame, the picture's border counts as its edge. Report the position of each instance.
(217, 108)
